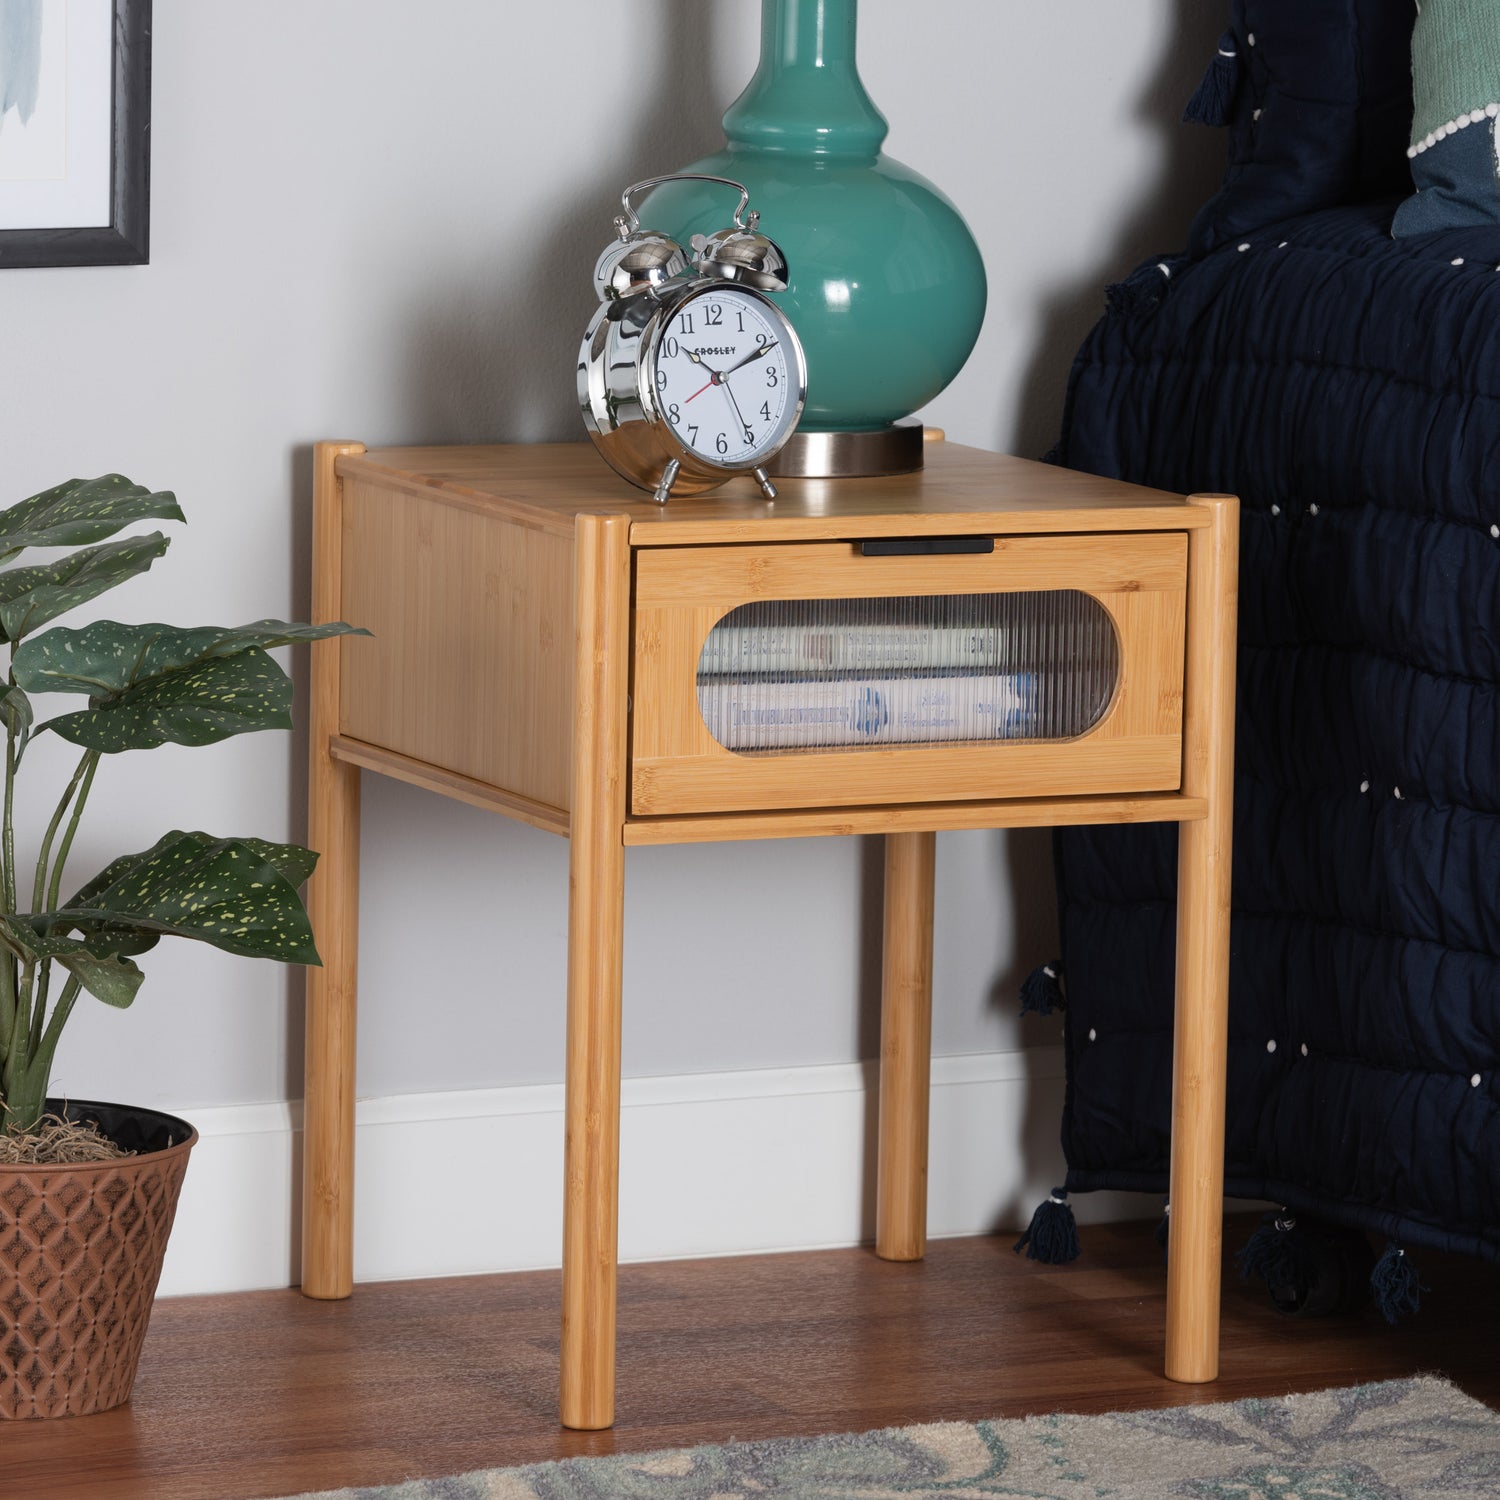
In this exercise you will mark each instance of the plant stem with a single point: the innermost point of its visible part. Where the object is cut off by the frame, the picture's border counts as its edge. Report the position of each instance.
(39, 890)
(39, 1070)
(91, 761)
(39, 1004)
(7, 1005)
(17, 1054)
(10, 821)
(10, 1011)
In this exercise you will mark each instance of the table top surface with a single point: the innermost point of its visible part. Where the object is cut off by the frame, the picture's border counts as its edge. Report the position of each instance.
(960, 491)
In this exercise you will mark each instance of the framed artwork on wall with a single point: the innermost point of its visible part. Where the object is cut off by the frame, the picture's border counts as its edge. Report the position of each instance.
(75, 132)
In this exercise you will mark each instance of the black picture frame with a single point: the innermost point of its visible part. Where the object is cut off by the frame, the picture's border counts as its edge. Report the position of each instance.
(126, 239)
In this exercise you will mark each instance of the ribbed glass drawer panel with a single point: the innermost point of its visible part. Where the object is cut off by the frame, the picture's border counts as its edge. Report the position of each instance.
(823, 673)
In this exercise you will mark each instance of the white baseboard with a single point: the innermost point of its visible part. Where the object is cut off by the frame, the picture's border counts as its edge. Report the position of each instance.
(711, 1164)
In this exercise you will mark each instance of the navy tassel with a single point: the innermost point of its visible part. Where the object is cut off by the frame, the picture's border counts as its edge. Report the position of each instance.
(1144, 287)
(1164, 1229)
(1280, 1255)
(1052, 1236)
(1215, 96)
(1397, 1288)
(1042, 992)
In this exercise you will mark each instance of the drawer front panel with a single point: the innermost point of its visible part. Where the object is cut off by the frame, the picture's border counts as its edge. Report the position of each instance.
(682, 594)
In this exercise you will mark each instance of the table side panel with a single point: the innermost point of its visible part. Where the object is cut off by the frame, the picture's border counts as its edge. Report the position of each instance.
(471, 665)
(678, 767)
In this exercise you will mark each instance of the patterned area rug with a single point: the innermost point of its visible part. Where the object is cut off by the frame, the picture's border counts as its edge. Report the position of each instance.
(1402, 1440)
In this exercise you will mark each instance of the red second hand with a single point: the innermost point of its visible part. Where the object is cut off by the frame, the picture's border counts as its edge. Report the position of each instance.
(698, 392)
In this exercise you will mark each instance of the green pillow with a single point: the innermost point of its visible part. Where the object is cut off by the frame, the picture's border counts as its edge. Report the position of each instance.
(1455, 150)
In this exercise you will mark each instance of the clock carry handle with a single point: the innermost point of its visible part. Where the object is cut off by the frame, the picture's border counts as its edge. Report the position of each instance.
(627, 223)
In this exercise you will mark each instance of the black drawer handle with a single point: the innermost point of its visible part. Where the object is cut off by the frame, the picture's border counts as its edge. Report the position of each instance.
(925, 546)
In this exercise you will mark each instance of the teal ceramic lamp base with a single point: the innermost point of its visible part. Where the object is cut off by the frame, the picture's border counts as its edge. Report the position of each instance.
(887, 286)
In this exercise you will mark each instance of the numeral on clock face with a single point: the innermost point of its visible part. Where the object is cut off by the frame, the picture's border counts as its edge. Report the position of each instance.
(724, 377)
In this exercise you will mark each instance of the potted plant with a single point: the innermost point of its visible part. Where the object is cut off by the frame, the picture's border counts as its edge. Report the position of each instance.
(83, 1228)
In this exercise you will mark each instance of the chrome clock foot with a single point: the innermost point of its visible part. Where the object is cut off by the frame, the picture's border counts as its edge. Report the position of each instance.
(668, 479)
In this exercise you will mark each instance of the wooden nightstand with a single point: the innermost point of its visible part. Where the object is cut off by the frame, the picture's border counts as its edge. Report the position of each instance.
(584, 609)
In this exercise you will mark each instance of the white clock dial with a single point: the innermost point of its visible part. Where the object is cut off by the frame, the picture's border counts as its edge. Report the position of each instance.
(727, 378)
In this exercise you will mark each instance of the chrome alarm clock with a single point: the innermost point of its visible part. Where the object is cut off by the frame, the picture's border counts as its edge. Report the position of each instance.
(689, 375)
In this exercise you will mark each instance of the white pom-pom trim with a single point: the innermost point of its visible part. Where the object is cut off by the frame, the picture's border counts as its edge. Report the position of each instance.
(1452, 127)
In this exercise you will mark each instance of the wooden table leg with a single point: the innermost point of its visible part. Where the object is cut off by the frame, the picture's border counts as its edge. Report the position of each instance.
(333, 907)
(1202, 1032)
(905, 1047)
(596, 883)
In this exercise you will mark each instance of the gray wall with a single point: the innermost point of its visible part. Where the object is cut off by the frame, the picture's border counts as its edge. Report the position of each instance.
(376, 220)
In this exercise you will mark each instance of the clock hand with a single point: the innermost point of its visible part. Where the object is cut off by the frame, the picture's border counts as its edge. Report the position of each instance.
(744, 425)
(716, 376)
(754, 354)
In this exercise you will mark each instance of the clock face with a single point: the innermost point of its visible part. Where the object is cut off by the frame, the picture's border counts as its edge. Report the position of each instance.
(728, 377)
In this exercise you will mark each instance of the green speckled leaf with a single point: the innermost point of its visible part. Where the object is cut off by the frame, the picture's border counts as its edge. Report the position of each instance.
(291, 861)
(29, 597)
(228, 892)
(82, 510)
(108, 658)
(15, 715)
(152, 683)
(105, 975)
(195, 706)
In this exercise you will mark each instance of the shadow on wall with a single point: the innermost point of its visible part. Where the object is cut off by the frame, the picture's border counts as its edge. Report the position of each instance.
(478, 356)
(1191, 166)
(460, 391)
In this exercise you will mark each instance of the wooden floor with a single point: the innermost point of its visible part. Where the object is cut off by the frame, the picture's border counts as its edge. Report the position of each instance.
(267, 1393)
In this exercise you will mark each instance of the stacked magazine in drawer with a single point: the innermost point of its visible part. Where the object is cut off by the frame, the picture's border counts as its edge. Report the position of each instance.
(825, 673)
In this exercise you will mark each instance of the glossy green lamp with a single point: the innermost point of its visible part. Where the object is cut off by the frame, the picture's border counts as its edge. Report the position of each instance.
(887, 286)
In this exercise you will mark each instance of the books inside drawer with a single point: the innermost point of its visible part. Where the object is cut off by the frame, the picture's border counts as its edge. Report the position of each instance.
(800, 675)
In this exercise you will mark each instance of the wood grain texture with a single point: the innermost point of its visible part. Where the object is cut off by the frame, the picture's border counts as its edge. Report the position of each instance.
(678, 767)
(471, 665)
(724, 577)
(913, 817)
(1201, 1035)
(478, 794)
(270, 1394)
(333, 908)
(499, 586)
(596, 917)
(960, 490)
(905, 1047)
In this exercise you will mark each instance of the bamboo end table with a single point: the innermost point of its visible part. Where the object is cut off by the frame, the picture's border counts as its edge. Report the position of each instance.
(583, 608)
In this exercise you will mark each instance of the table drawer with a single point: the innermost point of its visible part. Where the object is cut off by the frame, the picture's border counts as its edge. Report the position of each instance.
(812, 675)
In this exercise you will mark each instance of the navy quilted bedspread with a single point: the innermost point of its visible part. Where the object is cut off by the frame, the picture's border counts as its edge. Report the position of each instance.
(1347, 387)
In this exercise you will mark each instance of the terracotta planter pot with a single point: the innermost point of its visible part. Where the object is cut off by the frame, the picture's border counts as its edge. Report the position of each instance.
(81, 1249)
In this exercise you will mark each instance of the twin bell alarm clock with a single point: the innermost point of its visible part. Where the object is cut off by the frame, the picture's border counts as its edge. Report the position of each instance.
(689, 375)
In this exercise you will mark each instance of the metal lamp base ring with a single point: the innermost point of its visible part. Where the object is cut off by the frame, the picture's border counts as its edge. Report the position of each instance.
(896, 449)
